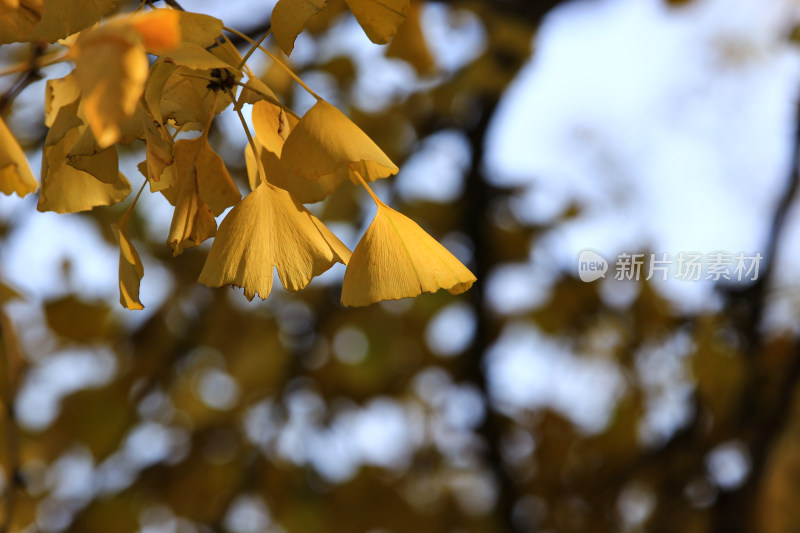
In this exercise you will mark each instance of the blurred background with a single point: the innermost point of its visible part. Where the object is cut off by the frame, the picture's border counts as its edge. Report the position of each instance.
(526, 131)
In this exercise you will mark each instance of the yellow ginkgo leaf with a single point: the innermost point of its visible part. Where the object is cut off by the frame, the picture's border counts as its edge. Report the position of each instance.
(254, 91)
(197, 32)
(379, 18)
(192, 222)
(60, 92)
(199, 29)
(327, 147)
(186, 99)
(194, 56)
(159, 30)
(272, 127)
(15, 174)
(66, 189)
(205, 190)
(266, 230)
(160, 72)
(160, 170)
(409, 43)
(111, 69)
(60, 18)
(18, 18)
(396, 259)
(130, 266)
(289, 17)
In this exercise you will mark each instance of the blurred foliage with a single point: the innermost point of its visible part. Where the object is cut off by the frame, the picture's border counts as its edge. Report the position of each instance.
(218, 415)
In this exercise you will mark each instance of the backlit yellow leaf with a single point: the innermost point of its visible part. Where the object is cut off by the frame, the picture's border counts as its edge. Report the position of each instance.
(18, 18)
(194, 56)
(111, 68)
(268, 229)
(66, 189)
(289, 17)
(396, 259)
(192, 222)
(160, 30)
(15, 174)
(186, 99)
(160, 72)
(59, 93)
(61, 18)
(205, 190)
(409, 43)
(327, 147)
(254, 91)
(199, 29)
(130, 266)
(272, 127)
(379, 18)
(159, 163)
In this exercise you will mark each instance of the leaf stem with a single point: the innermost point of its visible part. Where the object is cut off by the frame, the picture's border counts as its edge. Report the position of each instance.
(369, 190)
(211, 115)
(37, 63)
(259, 166)
(268, 98)
(244, 63)
(254, 47)
(289, 71)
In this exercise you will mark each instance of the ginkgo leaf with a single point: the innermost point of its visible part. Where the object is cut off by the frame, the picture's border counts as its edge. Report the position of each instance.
(379, 18)
(66, 189)
(159, 30)
(160, 171)
(197, 32)
(268, 229)
(160, 72)
(18, 18)
(255, 90)
(396, 259)
(409, 43)
(111, 69)
(194, 56)
(205, 190)
(15, 174)
(199, 29)
(131, 269)
(61, 18)
(272, 126)
(192, 222)
(59, 93)
(186, 99)
(289, 17)
(327, 147)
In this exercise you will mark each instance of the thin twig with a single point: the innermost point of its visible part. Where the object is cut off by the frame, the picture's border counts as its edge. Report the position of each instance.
(254, 47)
(272, 56)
